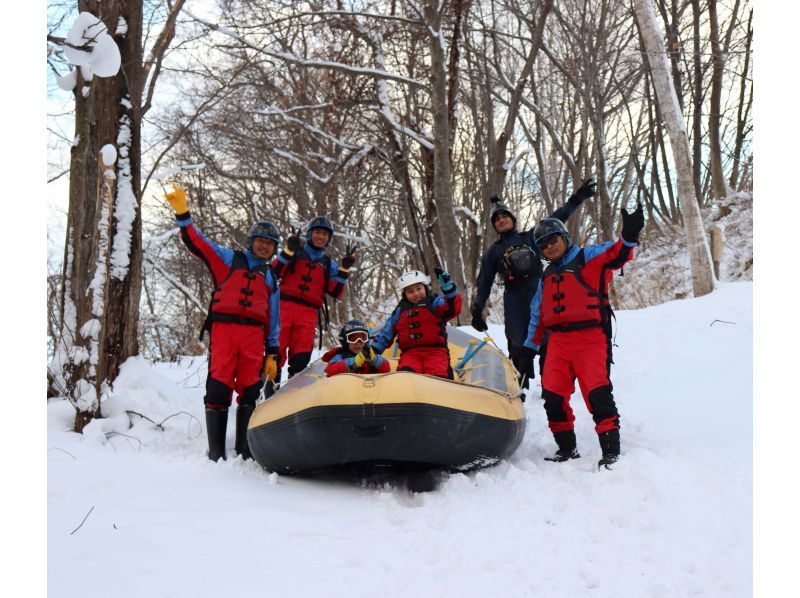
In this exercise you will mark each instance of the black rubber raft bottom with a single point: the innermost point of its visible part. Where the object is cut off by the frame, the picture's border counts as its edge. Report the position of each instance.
(405, 436)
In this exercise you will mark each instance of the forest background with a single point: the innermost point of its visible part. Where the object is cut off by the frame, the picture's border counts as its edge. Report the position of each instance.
(366, 186)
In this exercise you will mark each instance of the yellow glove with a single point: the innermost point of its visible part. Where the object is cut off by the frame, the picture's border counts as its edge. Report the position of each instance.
(177, 199)
(359, 360)
(271, 367)
(371, 355)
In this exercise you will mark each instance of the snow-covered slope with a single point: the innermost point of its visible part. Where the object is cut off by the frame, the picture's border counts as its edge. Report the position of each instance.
(674, 517)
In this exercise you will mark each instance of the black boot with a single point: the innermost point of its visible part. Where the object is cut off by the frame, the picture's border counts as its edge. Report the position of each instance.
(216, 425)
(243, 413)
(567, 447)
(609, 444)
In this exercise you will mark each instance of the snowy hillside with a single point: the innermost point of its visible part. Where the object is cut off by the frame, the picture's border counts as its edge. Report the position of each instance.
(672, 519)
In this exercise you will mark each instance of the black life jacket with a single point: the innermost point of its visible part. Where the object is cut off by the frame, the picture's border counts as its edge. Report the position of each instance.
(520, 263)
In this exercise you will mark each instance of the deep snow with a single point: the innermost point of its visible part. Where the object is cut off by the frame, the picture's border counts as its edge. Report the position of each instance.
(672, 519)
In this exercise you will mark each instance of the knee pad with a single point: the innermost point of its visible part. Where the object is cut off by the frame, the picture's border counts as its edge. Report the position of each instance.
(554, 406)
(298, 362)
(249, 395)
(218, 395)
(602, 402)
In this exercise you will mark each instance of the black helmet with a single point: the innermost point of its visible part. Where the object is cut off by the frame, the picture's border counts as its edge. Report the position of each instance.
(319, 222)
(547, 228)
(498, 207)
(263, 229)
(352, 326)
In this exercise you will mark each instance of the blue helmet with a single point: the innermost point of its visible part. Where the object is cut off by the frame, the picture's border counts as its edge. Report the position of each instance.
(319, 222)
(547, 228)
(263, 229)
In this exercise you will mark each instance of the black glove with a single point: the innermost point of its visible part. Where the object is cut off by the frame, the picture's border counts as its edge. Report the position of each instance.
(350, 256)
(293, 242)
(526, 369)
(632, 224)
(585, 191)
(478, 323)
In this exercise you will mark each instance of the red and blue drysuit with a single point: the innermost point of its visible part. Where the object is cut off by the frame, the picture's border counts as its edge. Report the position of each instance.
(421, 333)
(243, 318)
(305, 278)
(341, 361)
(571, 303)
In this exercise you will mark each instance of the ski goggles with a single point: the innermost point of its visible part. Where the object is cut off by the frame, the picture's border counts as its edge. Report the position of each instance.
(356, 336)
(547, 241)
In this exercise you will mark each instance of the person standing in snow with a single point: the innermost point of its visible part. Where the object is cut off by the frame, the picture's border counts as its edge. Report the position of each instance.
(571, 304)
(513, 258)
(306, 276)
(355, 355)
(243, 320)
(419, 323)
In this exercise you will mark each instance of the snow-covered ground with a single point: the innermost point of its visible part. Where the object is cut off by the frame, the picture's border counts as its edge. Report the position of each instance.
(140, 511)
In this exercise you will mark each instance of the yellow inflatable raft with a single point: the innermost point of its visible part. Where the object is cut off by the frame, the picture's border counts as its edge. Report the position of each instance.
(314, 422)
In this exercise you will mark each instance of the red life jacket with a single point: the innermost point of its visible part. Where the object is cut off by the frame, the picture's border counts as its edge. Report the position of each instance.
(419, 325)
(306, 280)
(242, 296)
(570, 302)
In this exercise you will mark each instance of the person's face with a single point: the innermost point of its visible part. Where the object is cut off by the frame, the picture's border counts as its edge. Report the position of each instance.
(415, 293)
(503, 223)
(319, 237)
(263, 248)
(356, 347)
(555, 249)
(356, 340)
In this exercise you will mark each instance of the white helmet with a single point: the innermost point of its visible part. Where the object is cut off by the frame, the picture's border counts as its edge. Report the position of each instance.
(412, 277)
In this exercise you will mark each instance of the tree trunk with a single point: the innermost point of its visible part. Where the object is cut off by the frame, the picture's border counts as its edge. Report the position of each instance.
(718, 189)
(703, 280)
(446, 224)
(102, 265)
(743, 111)
(697, 100)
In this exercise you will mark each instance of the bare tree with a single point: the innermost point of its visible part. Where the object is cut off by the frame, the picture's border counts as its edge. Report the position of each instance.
(703, 279)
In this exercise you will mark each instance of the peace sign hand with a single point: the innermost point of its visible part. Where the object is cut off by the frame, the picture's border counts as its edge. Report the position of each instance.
(350, 255)
(293, 242)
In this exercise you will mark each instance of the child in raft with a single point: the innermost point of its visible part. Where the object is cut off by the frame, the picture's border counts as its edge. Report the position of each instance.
(419, 324)
(355, 355)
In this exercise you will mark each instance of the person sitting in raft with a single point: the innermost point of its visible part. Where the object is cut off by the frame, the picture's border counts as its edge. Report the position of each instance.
(419, 324)
(355, 355)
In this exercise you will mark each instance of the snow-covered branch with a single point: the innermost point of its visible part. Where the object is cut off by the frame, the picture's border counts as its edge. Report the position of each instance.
(305, 62)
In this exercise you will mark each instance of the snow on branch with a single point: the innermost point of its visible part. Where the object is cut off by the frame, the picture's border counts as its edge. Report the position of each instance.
(168, 172)
(274, 110)
(471, 216)
(300, 61)
(88, 44)
(293, 158)
(382, 93)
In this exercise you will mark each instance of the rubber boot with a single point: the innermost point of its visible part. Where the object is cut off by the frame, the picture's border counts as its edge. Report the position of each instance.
(243, 413)
(216, 425)
(609, 444)
(567, 447)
